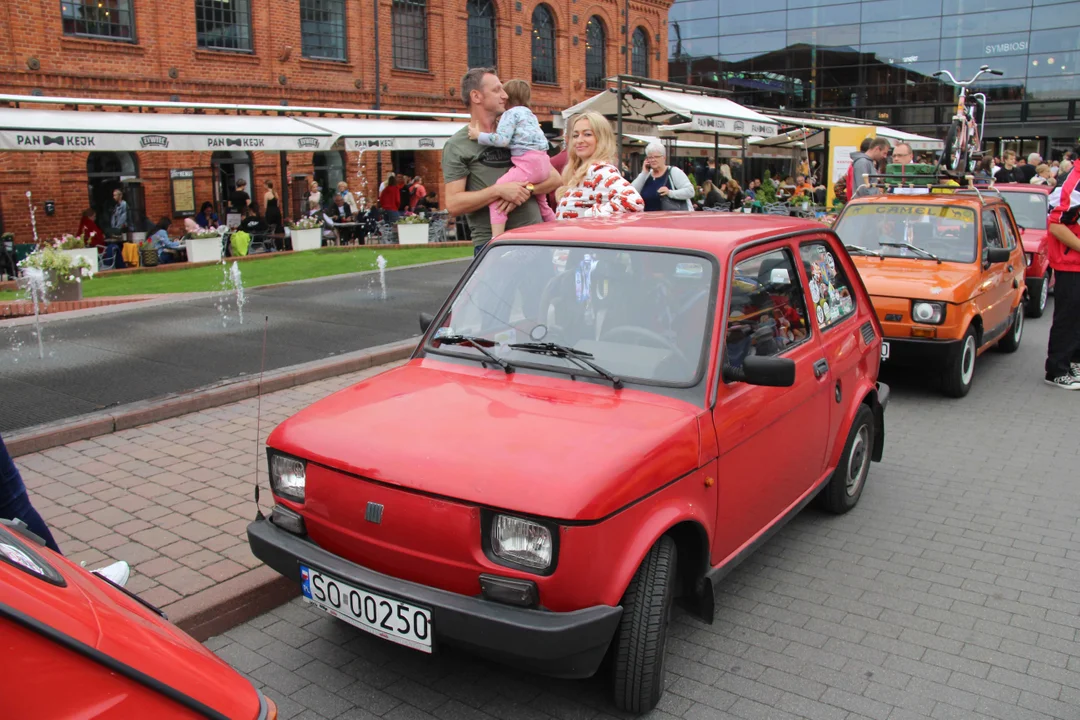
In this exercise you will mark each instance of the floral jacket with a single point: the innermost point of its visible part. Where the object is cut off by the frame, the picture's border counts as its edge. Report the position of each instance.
(604, 191)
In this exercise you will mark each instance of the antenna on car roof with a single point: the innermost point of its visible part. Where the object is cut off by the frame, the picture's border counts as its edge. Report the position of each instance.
(258, 418)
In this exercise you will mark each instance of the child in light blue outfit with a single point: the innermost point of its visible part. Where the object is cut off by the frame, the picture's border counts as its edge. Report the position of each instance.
(520, 131)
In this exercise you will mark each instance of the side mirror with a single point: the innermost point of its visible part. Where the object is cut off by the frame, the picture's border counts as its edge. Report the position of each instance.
(997, 255)
(763, 370)
(425, 321)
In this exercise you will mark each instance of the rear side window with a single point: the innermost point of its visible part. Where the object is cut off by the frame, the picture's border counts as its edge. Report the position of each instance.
(767, 313)
(991, 231)
(830, 290)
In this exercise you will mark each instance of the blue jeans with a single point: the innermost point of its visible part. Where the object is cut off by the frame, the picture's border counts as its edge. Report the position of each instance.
(15, 503)
(477, 249)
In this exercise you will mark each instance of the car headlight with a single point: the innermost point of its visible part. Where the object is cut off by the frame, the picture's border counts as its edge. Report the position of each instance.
(521, 541)
(288, 477)
(928, 312)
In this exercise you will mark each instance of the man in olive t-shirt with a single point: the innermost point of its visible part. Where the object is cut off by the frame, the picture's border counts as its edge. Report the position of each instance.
(470, 169)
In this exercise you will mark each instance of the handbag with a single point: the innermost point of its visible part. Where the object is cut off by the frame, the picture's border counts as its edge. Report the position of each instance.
(148, 256)
(669, 203)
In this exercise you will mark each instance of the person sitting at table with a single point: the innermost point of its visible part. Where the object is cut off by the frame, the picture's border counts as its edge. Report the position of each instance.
(207, 218)
(339, 212)
(430, 203)
(89, 230)
(734, 194)
(710, 196)
(252, 224)
(168, 250)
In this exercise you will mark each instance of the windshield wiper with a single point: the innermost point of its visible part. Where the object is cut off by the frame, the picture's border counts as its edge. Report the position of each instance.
(913, 248)
(478, 343)
(569, 353)
(861, 250)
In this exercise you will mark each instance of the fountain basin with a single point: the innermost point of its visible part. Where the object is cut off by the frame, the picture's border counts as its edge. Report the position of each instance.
(203, 249)
(310, 239)
(412, 233)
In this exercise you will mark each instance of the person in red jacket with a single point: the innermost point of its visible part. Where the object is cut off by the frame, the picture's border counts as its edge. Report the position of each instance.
(89, 230)
(390, 200)
(1063, 243)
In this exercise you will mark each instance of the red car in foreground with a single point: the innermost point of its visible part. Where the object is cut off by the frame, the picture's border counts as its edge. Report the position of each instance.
(76, 646)
(1029, 207)
(604, 416)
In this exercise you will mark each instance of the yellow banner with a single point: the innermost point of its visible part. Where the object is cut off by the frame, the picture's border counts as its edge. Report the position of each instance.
(843, 142)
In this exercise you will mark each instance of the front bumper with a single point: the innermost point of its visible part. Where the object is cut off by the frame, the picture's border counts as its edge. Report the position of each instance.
(566, 644)
(909, 351)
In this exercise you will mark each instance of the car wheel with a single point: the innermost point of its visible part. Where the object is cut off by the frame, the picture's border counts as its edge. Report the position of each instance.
(844, 488)
(1011, 342)
(1036, 305)
(638, 668)
(960, 370)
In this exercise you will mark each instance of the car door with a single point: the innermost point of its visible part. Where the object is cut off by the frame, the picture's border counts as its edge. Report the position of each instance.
(996, 284)
(771, 441)
(837, 317)
(1017, 265)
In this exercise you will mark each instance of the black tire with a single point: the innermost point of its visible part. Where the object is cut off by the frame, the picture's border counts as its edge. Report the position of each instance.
(1036, 302)
(845, 487)
(960, 369)
(639, 652)
(1010, 343)
(953, 157)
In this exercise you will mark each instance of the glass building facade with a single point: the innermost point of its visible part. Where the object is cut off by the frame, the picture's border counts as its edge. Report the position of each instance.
(875, 59)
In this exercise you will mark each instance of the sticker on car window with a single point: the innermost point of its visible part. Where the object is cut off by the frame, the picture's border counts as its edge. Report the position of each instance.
(831, 297)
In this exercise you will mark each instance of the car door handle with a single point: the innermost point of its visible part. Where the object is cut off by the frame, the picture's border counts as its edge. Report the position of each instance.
(821, 367)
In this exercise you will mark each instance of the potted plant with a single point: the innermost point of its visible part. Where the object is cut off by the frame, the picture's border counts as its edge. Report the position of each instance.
(801, 200)
(412, 230)
(75, 247)
(61, 275)
(306, 233)
(204, 246)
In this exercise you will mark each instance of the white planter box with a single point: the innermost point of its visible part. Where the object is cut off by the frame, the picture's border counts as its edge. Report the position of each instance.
(203, 249)
(412, 234)
(88, 254)
(306, 239)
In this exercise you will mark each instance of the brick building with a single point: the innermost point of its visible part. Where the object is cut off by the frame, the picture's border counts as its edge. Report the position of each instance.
(325, 53)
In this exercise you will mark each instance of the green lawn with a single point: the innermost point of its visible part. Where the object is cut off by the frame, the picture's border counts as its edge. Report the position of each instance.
(285, 268)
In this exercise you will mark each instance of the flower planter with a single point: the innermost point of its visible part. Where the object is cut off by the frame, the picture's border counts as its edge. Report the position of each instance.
(310, 239)
(203, 249)
(62, 291)
(412, 233)
(88, 254)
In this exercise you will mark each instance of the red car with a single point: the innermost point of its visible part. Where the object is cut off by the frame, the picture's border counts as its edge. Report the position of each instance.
(77, 646)
(605, 415)
(1029, 207)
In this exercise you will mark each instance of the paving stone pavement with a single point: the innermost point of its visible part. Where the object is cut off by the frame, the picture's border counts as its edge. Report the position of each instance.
(951, 592)
(172, 498)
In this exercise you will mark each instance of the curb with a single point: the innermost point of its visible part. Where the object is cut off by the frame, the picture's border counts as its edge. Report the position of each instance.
(50, 435)
(222, 607)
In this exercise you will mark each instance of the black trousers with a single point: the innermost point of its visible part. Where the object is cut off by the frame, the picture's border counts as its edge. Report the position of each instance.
(1064, 347)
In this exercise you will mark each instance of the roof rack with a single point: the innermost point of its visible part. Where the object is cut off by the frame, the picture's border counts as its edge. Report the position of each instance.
(888, 182)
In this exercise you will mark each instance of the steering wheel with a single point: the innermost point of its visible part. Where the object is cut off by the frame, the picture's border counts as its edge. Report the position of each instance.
(638, 332)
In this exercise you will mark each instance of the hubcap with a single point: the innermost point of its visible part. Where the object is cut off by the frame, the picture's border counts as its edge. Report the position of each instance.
(1045, 292)
(1018, 324)
(858, 461)
(967, 365)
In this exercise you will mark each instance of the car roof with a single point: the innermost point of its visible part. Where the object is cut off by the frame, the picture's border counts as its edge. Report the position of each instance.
(716, 233)
(954, 199)
(1021, 188)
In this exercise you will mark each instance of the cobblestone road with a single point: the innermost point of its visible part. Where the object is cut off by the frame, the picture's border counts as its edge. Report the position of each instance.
(951, 591)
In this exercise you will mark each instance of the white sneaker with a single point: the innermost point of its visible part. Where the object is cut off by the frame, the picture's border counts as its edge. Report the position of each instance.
(1074, 368)
(1065, 382)
(119, 572)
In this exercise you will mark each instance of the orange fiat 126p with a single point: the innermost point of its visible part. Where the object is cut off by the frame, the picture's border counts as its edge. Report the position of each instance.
(604, 416)
(946, 275)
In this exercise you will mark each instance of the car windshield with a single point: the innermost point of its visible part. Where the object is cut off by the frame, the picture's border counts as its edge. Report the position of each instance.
(641, 315)
(945, 231)
(1028, 208)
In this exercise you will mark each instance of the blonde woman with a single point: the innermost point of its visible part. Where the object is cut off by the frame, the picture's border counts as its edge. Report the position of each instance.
(348, 197)
(593, 185)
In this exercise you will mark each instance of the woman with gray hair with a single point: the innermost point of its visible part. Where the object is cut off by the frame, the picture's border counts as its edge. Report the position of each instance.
(658, 181)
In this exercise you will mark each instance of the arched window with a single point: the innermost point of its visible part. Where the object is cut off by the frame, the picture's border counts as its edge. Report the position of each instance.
(543, 46)
(409, 20)
(639, 53)
(595, 53)
(481, 33)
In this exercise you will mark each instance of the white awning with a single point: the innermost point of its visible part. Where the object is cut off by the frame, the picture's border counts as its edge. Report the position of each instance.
(57, 130)
(704, 113)
(816, 123)
(389, 134)
(917, 142)
(681, 143)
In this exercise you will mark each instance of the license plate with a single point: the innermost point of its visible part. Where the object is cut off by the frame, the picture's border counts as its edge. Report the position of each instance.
(884, 351)
(391, 620)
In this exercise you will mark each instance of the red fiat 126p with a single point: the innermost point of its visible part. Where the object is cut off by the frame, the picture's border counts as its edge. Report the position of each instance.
(604, 416)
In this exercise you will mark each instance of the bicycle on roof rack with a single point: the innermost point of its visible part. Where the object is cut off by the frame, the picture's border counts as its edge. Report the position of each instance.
(963, 143)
